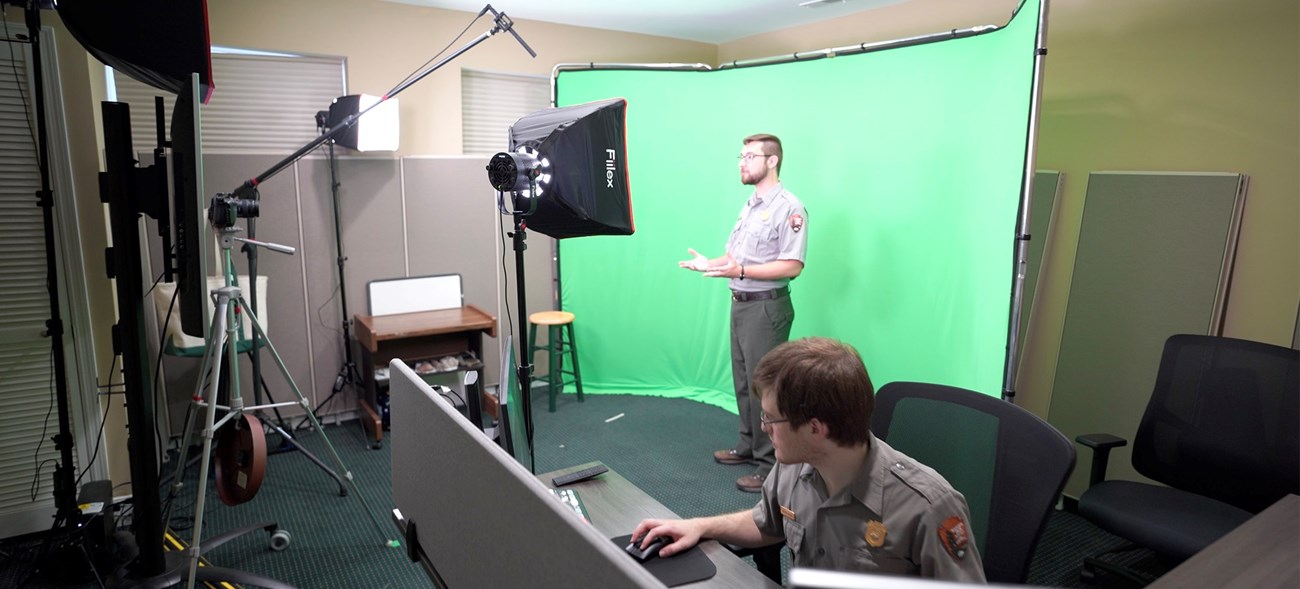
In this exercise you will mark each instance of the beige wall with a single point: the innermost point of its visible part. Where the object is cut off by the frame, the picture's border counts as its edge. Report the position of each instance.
(1139, 85)
(385, 41)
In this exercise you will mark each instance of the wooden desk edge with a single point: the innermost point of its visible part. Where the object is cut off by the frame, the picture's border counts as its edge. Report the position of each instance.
(366, 336)
(491, 331)
(371, 420)
(1259, 531)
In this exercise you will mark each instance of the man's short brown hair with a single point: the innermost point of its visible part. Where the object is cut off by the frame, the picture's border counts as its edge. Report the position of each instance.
(820, 378)
(771, 146)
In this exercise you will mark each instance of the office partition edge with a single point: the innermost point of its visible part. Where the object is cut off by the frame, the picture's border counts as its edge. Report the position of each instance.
(449, 477)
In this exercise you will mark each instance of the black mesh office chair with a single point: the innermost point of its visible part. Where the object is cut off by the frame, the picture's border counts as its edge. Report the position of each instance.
(1221, 430)
(1010, 465)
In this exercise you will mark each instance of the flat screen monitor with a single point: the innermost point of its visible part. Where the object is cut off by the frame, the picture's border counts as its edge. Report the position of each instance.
(513, 430)
(188, 207)
(480, 519)
(802, 578)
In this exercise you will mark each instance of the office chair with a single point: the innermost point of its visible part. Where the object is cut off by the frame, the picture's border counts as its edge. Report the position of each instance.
(767, 559)
(1009, 464)
(1222, 430)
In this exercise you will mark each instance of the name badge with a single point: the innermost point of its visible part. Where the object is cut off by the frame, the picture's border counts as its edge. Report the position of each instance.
(785, 512)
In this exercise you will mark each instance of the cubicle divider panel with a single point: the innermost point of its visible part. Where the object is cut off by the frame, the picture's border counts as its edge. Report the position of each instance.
(1154, 255)
(399, 217)
(452, 217)
(370, 217)
(1047, 188)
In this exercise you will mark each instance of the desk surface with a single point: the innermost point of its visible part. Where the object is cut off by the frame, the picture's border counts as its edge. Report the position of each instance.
(1262, 553)
(372, 330)
(616, 506)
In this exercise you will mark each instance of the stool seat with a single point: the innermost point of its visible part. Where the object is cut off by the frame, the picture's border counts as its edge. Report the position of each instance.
(551, 318)
(559, 345)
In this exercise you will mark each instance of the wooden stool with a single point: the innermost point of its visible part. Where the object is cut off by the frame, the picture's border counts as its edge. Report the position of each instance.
(559, 341)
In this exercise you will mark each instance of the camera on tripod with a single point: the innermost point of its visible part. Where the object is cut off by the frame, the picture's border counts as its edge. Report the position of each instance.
(225, 209)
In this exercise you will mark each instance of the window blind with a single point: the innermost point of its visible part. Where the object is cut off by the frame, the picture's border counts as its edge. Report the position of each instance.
(262, 103)
(27, 381)
(491, 102)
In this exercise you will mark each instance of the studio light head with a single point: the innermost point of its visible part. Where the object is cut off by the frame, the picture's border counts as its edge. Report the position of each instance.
(571, 163)
(377, 130)
(514, 172)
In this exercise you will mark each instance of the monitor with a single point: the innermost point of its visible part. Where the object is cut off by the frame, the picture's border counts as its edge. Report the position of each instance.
(804, 578)
(188, 206)
(457, 492)
(513, 429)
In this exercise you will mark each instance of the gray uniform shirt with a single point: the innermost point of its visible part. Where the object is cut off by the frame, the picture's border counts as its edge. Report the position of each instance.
(898, 517)
(772, 226)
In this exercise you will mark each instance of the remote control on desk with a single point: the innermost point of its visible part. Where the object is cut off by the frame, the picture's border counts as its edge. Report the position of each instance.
(579, 475)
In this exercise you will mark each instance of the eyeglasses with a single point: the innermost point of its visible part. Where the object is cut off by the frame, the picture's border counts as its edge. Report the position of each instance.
(765, 421)
(750, 156)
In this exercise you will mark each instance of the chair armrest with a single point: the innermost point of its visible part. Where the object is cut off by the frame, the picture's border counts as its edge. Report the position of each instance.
(1101, 445)
(767, 559)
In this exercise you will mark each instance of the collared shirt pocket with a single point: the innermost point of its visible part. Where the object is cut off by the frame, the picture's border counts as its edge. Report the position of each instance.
(763, 241)
(793, 536)
(880, 560)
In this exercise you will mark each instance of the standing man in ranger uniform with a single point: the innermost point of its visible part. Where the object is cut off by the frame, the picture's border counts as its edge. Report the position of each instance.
(765, 251)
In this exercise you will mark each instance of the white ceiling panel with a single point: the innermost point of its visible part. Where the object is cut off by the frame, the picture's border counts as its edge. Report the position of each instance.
(709, 21)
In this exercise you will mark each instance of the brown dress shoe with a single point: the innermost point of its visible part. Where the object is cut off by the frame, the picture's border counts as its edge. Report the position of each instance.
(750, 483)
(731, 457)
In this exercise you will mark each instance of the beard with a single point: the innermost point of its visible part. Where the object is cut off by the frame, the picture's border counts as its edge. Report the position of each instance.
(752, 178)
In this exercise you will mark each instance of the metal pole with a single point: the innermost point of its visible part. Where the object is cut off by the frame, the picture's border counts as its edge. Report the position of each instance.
(1026, 199)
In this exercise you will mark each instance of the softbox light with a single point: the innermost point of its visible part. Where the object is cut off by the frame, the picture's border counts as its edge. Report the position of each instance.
(157, 42)
(377, 130)
(582, 184)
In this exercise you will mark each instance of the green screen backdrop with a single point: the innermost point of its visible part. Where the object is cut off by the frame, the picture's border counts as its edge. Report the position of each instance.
(910, 163)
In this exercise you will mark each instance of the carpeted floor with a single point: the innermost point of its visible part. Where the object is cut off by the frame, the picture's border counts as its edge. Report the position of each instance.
(662, 445)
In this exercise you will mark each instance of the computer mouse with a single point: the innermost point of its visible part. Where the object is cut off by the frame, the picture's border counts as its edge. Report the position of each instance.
(650, 551)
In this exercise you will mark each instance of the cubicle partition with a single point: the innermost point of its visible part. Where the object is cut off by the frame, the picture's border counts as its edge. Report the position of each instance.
(399, 217)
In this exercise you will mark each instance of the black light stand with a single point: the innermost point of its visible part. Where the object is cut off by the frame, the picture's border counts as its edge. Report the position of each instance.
(67, 514)
(505, 176)
(65, 493)
(525, 360)
(348, 374)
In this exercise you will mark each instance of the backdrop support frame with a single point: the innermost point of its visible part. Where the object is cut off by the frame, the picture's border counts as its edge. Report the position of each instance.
(1020, 237)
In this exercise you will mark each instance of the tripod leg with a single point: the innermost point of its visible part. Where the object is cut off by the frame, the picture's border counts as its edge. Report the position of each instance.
(224, 321)
(211, 358)
(182, 457)
(347, 474)
(343, 490)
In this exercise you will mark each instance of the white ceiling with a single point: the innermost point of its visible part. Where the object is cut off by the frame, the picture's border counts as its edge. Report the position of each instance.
(710, 21)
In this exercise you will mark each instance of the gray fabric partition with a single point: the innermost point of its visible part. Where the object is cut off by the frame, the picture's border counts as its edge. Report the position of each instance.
(1047, 187)
(1154, 255)
(403, 217)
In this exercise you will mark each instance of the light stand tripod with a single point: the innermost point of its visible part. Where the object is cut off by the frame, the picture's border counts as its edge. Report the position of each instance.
(348, 374)
(229, 305)
(518, 237)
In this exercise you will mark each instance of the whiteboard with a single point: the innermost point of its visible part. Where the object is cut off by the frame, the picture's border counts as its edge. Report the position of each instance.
(412, 295)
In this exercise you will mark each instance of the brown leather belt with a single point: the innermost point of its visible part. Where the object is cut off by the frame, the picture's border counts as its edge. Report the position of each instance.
(762, 295)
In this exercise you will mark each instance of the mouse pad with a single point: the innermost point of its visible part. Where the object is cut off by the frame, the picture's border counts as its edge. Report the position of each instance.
(687, 567)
